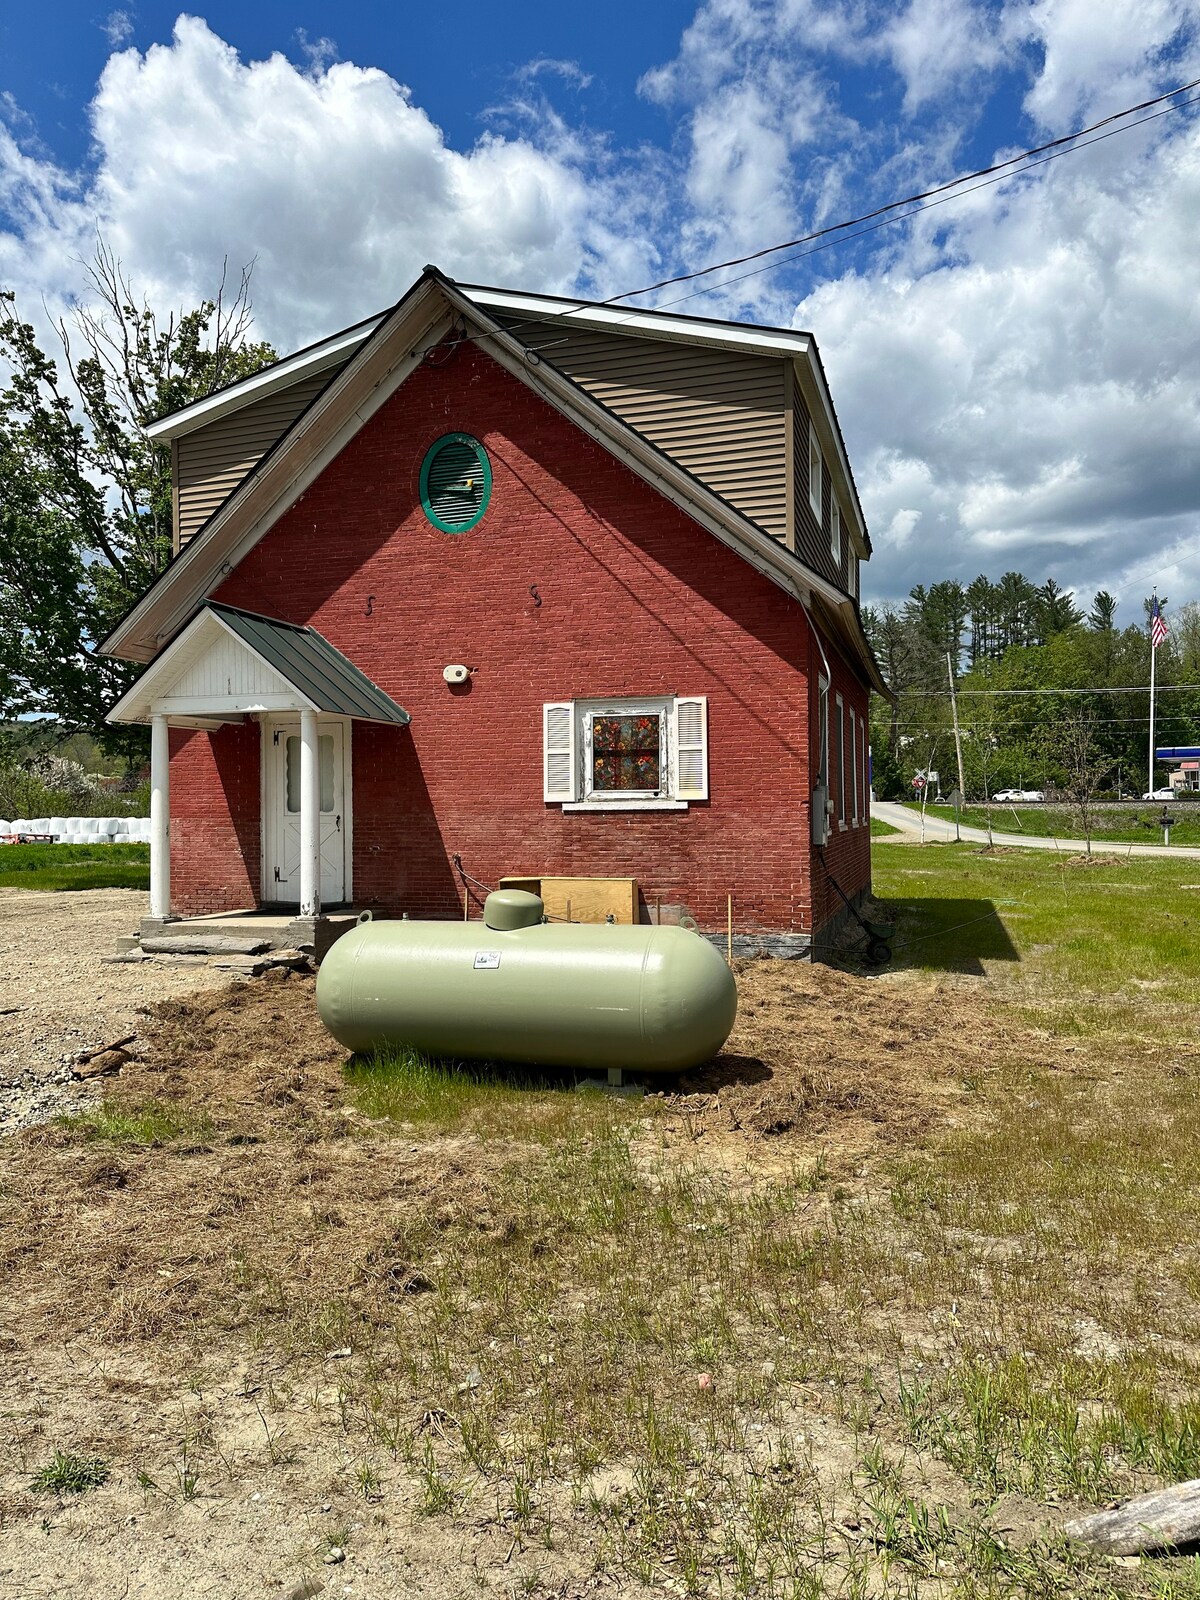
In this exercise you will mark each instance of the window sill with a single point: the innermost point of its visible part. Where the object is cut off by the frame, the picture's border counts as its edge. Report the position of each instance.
(625, 805)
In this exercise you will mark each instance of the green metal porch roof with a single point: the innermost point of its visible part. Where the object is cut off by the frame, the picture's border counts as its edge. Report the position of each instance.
(311, 664)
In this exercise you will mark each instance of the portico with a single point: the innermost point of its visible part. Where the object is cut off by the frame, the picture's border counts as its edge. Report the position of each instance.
(229, 666)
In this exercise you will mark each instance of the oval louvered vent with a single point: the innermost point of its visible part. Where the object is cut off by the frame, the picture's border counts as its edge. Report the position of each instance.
(456, 483)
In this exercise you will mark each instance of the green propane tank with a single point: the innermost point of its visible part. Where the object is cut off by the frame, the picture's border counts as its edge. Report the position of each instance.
(516, 988)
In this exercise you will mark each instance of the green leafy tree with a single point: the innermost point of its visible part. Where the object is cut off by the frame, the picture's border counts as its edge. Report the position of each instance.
(85, 497)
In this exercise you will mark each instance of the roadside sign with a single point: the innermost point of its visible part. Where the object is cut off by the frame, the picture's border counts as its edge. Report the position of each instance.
(919, 781)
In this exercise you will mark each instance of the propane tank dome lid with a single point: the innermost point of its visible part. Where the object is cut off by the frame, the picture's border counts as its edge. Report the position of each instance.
(505, 909)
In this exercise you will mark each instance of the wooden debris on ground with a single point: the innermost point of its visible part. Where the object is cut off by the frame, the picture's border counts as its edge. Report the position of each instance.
(1164, 1520)
(106, 1058)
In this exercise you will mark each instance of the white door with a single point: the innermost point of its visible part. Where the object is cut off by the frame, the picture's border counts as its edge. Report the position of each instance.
(283, 813)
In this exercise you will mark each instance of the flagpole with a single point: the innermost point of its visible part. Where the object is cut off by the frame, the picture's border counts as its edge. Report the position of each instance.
(1153, 659)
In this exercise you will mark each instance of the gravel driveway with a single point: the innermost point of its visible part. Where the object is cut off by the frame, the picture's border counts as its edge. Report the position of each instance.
(57, 998)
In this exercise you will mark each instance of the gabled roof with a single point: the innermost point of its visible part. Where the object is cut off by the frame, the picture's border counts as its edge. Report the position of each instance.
(634, 321)
(289, 655)
(382, 361)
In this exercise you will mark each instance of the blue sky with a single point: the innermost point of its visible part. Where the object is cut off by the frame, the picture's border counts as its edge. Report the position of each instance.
(1016, 373)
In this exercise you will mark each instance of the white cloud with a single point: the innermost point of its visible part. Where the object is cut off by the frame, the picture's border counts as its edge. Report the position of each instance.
(1016, 372)
(937, 45)
(332, 179)
(569, 71)
(118, 28)
(320, 53)
(1098, 58)
(1042, 377)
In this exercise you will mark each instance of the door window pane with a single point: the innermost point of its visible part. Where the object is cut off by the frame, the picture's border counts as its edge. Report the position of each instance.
(292, 772)
(325, 744)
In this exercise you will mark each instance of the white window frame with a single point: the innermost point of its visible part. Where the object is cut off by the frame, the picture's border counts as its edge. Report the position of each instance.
(816, 472)
(852, 574)
(866, 772)
(841, 761)
(581, 796)
(854, 764)
(585, 713)
(835, 531)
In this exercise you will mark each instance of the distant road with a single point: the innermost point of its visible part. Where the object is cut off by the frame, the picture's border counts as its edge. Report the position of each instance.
(909, 824)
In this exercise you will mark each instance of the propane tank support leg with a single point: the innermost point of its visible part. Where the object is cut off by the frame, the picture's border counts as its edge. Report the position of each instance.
(616, 1077)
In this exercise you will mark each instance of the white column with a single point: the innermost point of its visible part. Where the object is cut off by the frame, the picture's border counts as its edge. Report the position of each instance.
(310, 816)
(160, 817)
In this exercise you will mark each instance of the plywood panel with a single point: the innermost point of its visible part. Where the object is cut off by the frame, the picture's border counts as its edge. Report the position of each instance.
(583, 899)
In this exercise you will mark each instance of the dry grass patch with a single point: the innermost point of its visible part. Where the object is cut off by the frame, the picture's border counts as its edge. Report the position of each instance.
(847, 1312)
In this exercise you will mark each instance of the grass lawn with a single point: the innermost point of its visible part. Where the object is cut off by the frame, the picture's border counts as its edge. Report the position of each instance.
(868, 1307)
(881, 830)
(75, 866)
(1132, 823)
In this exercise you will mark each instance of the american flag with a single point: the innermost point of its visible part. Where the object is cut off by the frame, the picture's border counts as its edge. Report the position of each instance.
(1158, 625)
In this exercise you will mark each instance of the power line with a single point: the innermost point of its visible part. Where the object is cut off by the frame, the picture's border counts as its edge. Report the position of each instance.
(1131, 688)
(1014, 722)
(948, 191)
(986, 183)
(1069, 139)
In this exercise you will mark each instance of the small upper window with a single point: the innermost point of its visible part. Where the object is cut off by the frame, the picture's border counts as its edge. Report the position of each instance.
(456, 482)
(814, 473)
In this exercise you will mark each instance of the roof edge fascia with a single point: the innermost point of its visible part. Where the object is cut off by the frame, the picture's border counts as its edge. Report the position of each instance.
(646, 323)
(279, 375)
(216, 544)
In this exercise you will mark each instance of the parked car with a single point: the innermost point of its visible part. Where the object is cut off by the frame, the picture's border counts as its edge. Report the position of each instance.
(1159, 794)
(1004, 795)
(1032, 794)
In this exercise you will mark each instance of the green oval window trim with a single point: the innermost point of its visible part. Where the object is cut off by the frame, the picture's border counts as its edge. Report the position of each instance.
(456, 482)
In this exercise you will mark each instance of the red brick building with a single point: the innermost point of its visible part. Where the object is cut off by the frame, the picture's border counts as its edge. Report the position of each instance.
(497, 585)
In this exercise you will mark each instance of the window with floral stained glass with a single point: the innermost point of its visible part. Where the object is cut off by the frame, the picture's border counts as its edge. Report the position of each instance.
(626, 753)
(649, 753)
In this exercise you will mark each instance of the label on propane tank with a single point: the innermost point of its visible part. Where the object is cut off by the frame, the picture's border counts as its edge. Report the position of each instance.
(487, 960)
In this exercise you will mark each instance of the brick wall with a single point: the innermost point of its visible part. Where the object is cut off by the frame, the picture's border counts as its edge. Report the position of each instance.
(216, 849)
(635, 600)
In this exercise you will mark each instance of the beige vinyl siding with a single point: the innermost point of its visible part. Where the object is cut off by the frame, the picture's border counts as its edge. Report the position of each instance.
(212, 461)
(719, 413)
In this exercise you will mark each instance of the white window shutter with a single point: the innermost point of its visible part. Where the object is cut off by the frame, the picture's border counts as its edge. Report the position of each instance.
(691, 748)
(560, 765)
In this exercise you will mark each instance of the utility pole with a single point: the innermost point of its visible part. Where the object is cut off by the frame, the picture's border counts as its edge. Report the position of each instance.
(962, 788)
(1153, 659)
(1158, 632)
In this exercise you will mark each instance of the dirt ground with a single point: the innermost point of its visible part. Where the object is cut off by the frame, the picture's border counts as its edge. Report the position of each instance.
(147, 1284)
(56, 997)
